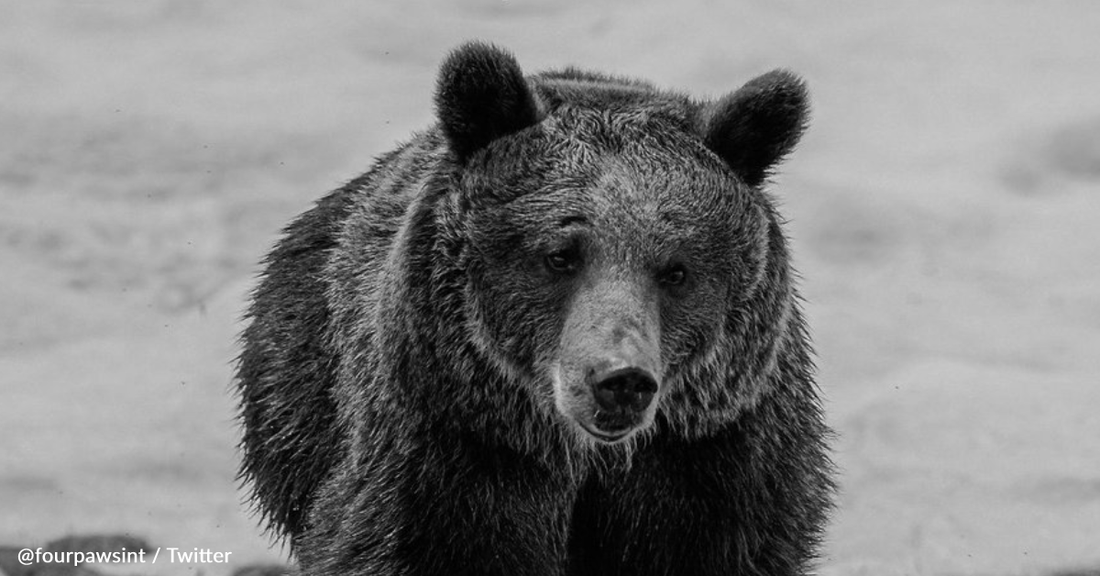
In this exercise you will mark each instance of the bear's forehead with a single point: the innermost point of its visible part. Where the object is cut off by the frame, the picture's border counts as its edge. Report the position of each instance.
(627, 194)
(634, 170)
(629, 184)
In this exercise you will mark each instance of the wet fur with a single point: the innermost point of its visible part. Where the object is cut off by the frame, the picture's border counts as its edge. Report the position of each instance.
(387, 431)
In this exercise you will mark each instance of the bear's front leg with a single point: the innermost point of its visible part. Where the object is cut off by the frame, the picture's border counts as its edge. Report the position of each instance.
(731, 504)
(443, 506)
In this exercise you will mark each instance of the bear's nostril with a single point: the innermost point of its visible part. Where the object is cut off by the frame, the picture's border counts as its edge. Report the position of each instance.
(626, 389)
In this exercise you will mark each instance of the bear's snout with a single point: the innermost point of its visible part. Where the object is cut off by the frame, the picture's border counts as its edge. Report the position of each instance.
(608, 375)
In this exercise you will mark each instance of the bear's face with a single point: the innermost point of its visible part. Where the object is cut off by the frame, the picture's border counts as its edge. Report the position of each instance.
(606, 237)
(597, 271)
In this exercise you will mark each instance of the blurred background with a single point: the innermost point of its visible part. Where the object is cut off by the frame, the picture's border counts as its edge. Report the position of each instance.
(944, 209)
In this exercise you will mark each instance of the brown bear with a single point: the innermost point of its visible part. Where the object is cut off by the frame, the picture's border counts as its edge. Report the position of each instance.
(557, 333)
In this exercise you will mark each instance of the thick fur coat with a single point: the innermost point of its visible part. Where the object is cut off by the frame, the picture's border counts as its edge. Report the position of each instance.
(557, 333)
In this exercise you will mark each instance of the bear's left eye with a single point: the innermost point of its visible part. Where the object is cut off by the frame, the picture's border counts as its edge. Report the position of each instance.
(565, 261)
(673, 275)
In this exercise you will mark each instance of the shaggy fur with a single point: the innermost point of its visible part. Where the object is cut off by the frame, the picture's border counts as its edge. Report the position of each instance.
(415, 380)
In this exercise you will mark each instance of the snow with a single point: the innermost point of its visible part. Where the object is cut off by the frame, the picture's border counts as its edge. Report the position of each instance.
(944, 212)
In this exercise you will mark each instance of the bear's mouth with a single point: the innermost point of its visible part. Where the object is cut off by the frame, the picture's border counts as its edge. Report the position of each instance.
(608, 437)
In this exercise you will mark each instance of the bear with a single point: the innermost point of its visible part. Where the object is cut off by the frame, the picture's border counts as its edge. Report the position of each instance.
(557, 333)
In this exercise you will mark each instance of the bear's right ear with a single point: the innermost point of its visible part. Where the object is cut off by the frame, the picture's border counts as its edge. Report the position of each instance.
(753, 128)
(482, 95)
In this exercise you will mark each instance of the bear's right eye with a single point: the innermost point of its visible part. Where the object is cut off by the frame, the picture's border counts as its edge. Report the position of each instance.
(565, 261)
(672, 276)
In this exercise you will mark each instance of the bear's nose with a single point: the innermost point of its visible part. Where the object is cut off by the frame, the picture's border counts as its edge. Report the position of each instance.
(624, 390)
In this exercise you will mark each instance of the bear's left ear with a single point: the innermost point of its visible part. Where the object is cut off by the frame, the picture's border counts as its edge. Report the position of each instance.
(754, 127)
(481, 95)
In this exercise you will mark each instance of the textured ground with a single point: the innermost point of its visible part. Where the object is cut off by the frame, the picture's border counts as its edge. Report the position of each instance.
(945, 210)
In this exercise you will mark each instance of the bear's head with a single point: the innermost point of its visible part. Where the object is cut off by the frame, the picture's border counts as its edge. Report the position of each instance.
(620, 257)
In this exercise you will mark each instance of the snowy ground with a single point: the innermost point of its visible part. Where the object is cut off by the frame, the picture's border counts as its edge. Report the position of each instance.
(945, 210)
